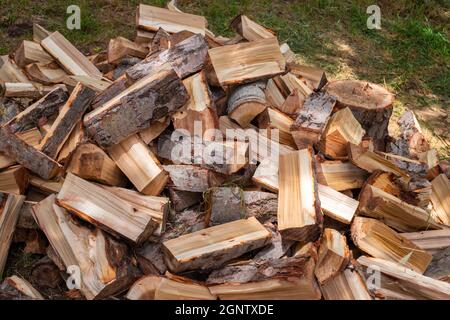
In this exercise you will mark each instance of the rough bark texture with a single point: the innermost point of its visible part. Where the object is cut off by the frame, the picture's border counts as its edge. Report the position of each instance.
(191, 178)
(259, 204)
(181, 200)
(251, 92)
(224, 204)
(439, 267)
(135, 111)
(186, 58)
(371, 105)
(113, 90)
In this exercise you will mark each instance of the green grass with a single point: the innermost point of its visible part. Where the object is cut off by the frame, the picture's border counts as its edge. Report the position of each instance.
(410, 54)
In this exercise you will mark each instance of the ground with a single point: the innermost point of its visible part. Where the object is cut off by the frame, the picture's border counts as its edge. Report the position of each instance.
(410, 54)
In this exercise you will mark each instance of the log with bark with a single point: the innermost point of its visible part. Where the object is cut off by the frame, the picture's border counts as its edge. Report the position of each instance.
(249, 29)
(246, 102)
(17, 288)
(347, 285)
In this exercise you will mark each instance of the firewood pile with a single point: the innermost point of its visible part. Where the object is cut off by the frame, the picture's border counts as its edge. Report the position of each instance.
(187, 165)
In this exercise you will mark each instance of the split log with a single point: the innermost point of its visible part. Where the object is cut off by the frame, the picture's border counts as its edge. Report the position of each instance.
(259, 204)
(340, 175)
(287, 53)
(20, 90)
(401, 281)
(376, 203)
(371, 161)
(29, 52)
(314, 76)
(14, 180)
(370, 103)
(333, 256)
(67, 119)
(337, 205)
(106, 210)
(140, 165)
(152, 18)
(411, 166)
(79, 246)
(299, 216)
(98, 85)
(440, 197)
(92, 163)
(411, 142)
(46, 186)
(76, 138)
(192, 178)
(199, 110)
(72, 60)
(9, 214)
(10, 72)
(246, 62)
(224, 204)
(185, 222)
(186, 58)
(312, 119)
(155, 130)
(342, 128)
(144, 37)
(347, 285)
(152, 98)
(288, 83)
(246, 102)
(39, 33)
(181, 200)
(32, 136)
(439, 267)
(289, 279)
(156, 207)
(113, 90)
(380, 241)
(276, 99)
(18, 288)
(46, 74)
(121, 47)
(250, 30)
(161, 288)
(161, 41)
(431, 241)
(26, 220)
(231, 240)
(273, 119)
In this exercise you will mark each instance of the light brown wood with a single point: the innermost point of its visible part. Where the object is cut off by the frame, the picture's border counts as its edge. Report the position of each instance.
(104, 209)
(39, 33)
(249, 29)
(20, 90)
(337, 205)
(431, 241)
(10, 72)
(406, 282)
(299, 213)
(273, 119)
(10, 205)
(46, 186)
(152, 18)
(79, 246)
(376, 203)
(246, 62)
(440, 197)
(72, 60)
(92, 163)
(14, 180)
(76, 137)
(287, 53)
(380, 241)
(98, 85)
(276, 99)
(340, 175)
(29, 52)
(45, 74)
(32, 136)
(121, 47)
(152, 132)
(23, 286)
(342, 128)
(140, 165)
(314, 76)
(347, 285)
(212, 247)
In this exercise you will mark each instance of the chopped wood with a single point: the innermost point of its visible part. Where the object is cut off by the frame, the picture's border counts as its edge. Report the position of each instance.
(98, 85)
(21, 285)
(92, 163)
(144, 37)
(21, 90)
(10, 72)
(249, 29)
(315, 77)
(14, 180)
(72, 60)
(378, 240)
(273, 119)
(431, 241)
(151, 98)
(340, 175)
(376, 203)
(337, 205)
(276, 99)
(245, 62)
(440, 197)
(29, 52)
(347, 285)
(312, 119)
(106, 210)
(140, 165)
(371, 161)
(69, 115)
(294, 282)
(299, 215)
(39, 33)
(155, 130)
(370, 103)
(246, 102)
(79, 246)
(407, 283)
(152, 18)
(45, 186)
(76, 137)
(214, 246)
(259, 204)
(333, 256)
(224, 204)
(10, 205)
(181, 200)
(287, 53)
(192, 178)
(266, 175)
(342, 128)
(46, 74)
(439, 267)
(121, 47)
(161, 41)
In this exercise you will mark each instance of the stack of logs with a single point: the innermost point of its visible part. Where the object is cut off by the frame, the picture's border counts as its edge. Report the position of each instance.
(95, 176)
